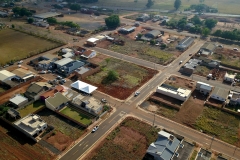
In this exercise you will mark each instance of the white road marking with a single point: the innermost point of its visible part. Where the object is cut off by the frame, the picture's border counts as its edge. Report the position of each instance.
(75, 152)
(85, 146)
(94, 134)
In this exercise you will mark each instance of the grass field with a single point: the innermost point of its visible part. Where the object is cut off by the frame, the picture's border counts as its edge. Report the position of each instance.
(128, 141)
(76, 115)
(16, 45)
(220, 124)
(224, 6)
(31, 108)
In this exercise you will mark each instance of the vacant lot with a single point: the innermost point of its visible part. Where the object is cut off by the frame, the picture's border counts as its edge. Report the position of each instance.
(179, 82)
(61, 124)
(220, 124)
(130, 77)
(16, 45)
(141, 50)
(15, 145)
(224, 6)
(31, 108)
(129, 140)
(204, 71)
(227, 56)
(76, 115)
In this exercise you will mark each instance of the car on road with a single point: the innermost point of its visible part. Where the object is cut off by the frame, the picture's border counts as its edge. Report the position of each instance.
(103, 100)
(190, 54)
(221, 46)
(235, 49)
(95, 129)
(180, 62)
(20, 62)
(136, 93)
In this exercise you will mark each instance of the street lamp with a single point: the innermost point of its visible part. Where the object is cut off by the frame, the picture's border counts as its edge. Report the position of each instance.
(153, 118)
(211, 142)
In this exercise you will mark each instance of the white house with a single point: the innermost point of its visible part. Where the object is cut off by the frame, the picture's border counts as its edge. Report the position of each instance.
(92, 105)
(89, 54)
(204, 87)
(229, 77)
(178, 93)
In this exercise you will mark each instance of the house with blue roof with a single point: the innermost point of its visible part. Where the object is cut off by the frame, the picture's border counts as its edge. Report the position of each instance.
(165, 147)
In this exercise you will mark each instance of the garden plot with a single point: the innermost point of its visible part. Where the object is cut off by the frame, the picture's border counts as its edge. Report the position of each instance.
(129, 140)
(130, 77)
(142, 50)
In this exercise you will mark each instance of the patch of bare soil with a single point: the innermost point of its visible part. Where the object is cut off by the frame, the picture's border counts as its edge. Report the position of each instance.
(180, 82)
(191, 109)
(59, 140)
(98, 59)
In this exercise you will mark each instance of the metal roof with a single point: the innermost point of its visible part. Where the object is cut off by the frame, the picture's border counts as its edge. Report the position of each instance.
(220, 92)
(63, 61)
(18, 99)
(4, 74)
(46, 15)
(186, 42)
(57, 100)
(209, 46)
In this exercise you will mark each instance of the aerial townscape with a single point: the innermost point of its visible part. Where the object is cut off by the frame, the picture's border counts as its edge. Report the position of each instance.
(119, 80)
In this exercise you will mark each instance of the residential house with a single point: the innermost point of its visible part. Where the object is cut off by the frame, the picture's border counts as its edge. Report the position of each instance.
(209, 63)
(35, 90)
(92, 42)
(190, 66)
(92, 105)
(165, 147)
(204, 88)
(56, 102)
(151, 35)
(219, 94)
(234, 98)
(89, 54)
(12, 113)
(177, 93)
(229, 77)
(51, 92)
(70, 67)
(31, 125)
(18, 100)
(207, 49)
(63, 62)
(69, 93)
(127, 30)
(23, 74)
(185, 43)
(143, 18)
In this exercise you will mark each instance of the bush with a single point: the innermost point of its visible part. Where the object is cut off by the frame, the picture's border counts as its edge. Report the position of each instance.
(111, 77)
(163, 46)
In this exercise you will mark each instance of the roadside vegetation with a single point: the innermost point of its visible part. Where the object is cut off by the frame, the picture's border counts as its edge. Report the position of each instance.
(127, 141)
(194, 154)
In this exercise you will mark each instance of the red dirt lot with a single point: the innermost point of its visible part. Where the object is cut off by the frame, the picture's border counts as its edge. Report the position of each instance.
(98, 58)
(180, 82)
(59, 140)
(16, 146)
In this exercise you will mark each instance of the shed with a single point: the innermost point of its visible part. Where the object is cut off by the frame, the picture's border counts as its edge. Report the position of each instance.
(18, 100)
(6, 75)
(127, 30)
(219, 94)
(185, 43)
(92, 41)
(46, 15)
(89, 54)
(207, 49)
(63, 62)
(152, 34)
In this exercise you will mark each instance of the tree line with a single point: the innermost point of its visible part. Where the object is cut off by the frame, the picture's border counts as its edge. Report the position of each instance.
(231, 35)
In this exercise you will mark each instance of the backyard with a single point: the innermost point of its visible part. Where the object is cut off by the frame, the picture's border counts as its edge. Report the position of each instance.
(220, 124)
(130, 77)
(129, 140)
(141, 50)
(31, 108)
(25, 45)
(76, 115)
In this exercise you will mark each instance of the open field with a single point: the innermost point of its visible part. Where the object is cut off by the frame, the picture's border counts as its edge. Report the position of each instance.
(31, 108)
(224, 6)
(227, 56)
(24, 45)
(61, 124)
(204, 71)
(127, 141)
(179, 82)
(140, 49)
(15, 145)
(130, 77)
(76, 115)
(220, 124)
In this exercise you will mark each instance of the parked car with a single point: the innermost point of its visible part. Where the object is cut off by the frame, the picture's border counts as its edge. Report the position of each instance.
(20, 62)
(59, 77)
(221, 46)
(180, 62)
(103, 100)
(190, 54)
(42, 72)
(235, 49)
(95, 129)
(136, 93)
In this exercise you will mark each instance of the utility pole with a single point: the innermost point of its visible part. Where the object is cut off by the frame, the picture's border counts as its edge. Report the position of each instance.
(153, 119)
(234, 151)
(211, 142)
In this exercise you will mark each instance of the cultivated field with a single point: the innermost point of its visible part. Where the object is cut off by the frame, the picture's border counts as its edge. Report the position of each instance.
(16, 45)
(130, 77)
(141, 49)
(129, 140)
(15, 145)
(224, 6)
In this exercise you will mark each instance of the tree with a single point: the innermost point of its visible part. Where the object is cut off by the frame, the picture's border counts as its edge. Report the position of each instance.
(218, 33)
(152, 42)
(30, 20)
(182, 23)
(177, 4)
(196, 20)
(111, 77)
(21, 11)
(52, 20)
(75, 7)
(205, 31)
(210, 23)
(112, 21)
(107, 60)
(13, 26)
(150, 3)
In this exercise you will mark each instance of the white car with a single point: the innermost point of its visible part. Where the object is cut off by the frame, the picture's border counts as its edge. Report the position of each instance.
(180, 62)
(20, 62)
(95, 129)
(235, 49)
(136, 93)
(104, 100)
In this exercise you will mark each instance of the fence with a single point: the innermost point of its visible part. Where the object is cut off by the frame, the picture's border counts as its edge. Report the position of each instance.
(168, 104)
(37, 78)
(90, 72)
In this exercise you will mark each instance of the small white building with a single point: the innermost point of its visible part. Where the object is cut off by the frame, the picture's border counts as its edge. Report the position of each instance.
(92, 41)
(204, 87)
(31, 125)
(89, 54)
(229, 77)
(18, 100)
(178, 93)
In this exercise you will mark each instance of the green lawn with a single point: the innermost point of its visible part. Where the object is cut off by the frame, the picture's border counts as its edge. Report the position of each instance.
(224, 6)
(76, 115)
(220, 124)
(194, 154)
(16, 45)
(31, 108)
